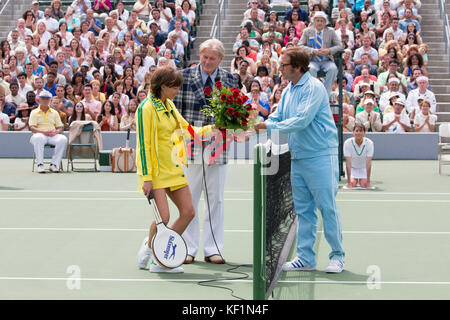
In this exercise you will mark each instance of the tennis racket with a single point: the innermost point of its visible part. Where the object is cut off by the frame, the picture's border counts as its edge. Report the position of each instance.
(169, 248)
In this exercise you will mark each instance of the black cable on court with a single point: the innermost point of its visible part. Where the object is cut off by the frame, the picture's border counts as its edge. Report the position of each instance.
(233, 267)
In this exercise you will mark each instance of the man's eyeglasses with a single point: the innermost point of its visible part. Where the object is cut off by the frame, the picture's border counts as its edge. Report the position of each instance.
(284, 64)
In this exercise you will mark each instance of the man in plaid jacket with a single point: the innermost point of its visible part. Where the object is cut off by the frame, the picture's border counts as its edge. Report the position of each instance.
(190, 101)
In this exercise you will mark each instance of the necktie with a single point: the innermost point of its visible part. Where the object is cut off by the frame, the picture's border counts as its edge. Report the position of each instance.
(319, 45)
(208, 83)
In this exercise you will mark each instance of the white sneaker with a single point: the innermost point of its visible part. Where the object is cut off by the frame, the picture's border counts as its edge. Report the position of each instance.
(156, 268)
(297, 265)
(40, 168)
(53, 168)
(144, 254)
(335, 266)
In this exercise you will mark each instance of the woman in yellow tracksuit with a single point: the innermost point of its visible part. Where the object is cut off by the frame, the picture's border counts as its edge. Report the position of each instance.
(161, 150)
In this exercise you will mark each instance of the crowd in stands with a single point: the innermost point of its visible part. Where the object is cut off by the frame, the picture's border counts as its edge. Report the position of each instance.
(384, 61)
(96, 58)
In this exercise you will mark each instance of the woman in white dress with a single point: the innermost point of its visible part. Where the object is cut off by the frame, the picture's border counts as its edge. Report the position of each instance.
(358, 153)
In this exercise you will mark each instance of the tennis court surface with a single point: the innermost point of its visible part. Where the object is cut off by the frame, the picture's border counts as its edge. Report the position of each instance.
(76, 235)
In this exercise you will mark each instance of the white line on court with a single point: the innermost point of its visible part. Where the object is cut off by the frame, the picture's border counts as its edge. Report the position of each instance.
(227, 231)
(227, 199)
(95, 191)
(337, 282)
(120, 280)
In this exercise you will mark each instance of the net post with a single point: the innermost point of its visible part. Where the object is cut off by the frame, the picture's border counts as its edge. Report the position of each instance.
(259, 239)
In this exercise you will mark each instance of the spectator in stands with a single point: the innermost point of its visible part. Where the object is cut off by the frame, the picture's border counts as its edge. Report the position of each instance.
(107, 118)
(59, 90)
(415, 61)
(397, 121)
(38, 14)
(394, 28)
(408, 18)
(51, 23)
(246, 78)
(70, 93)
(348, 121)
(257, 23)
(4, 122)
(257, 103)
(294, 20)
(340, 6)
(95, 26)
(296, 7)
(182, 36)
(55, 11)
(275, 99)
(24, 87)
(30, 20)
(165, 11)
(128, 120)
(122, 12)
(254, 4)
(102, 6)
(424, 121)
(21, 121)
(383, 24)
(273, 21)
(142, 8)
(93, 107)
(80, 7)
(366, 48)
(358, 153)
(393, 68)
(417, 72)
(408, 4)
(370, 119)
(15, 42)
(411, 28)
(79, 114)
(393, 90)
(322, 42)
(343, 30)
(7, 108)
(421, 93)
(31, 100)
(14, 97)
(184, 21)
(136, 34)
(47, 128)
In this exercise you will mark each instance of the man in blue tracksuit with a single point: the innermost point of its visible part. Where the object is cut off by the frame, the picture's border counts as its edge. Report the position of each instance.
(304, 114)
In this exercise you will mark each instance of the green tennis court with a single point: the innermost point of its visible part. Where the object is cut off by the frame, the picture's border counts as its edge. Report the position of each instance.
(76, 235)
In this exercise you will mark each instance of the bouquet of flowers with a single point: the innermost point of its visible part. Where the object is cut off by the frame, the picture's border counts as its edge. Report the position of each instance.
(229, 108)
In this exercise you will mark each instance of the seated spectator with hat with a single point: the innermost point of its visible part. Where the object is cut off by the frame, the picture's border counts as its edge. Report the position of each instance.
(424, 121)
(47, 128)
(368, 117)
(21, 122)
(412, 103)
(397, 121)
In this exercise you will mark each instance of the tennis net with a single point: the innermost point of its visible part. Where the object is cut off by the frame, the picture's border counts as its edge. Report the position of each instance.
(274, 216)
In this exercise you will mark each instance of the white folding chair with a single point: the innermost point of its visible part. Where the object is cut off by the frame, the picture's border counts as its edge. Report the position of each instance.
(444, 145)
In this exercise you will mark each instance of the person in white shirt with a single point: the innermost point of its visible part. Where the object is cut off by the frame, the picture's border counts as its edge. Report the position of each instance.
(14, 97)
(183, 37)
(4, 121)
(397, 121)
(396, 31)
(412, 103)
(51, 23)
(366, 48)
(254, 4)
(161, 22)
(394, 88)
(24, 87)
(424, 121)
(369, 118)
(358, 153)
(81, 6)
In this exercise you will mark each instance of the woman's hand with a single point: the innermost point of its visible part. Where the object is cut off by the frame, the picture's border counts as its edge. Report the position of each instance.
(147, 187)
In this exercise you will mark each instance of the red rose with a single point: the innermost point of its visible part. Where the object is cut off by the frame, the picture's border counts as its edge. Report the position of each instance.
(239, 101)
(207, 90)
(237, 114)
(244, 122)
(233, 89)
(230, 111)
(249, 107)
(236, 93)
(219, 85)
(244, 98)
(223, 97)
(230, 98)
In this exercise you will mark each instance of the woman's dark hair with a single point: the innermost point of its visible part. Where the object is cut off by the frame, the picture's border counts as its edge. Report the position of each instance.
(113, 111)
(140, 56)
(419, 57)
(73, 117)
(166, 76)
(236, 65)
(413, 36)
(190, 6)
(76, 75)
(25, 14)
(246, 50)
(256, 81)
(263, 69)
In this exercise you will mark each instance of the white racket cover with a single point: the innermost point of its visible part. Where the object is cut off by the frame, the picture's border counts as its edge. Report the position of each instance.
(169, 248)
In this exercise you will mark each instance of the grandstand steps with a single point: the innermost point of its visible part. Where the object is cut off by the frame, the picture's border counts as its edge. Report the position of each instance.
(438, 87)
(443, 116)
(443, 107)
(230, 28)
(9, 21)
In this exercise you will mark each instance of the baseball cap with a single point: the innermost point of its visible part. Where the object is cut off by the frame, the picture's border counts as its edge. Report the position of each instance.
(400, 101)
(368, 101)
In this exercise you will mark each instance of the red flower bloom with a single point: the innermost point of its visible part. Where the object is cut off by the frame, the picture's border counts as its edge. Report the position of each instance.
(239, 101)
(230, 98)
(244, 122)
(249, 107)
(223, 97)
(237, 114)
(236, 93)
(219, 85)
(244, 98)
(207, 90)
(233, 89)
(230, 111)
